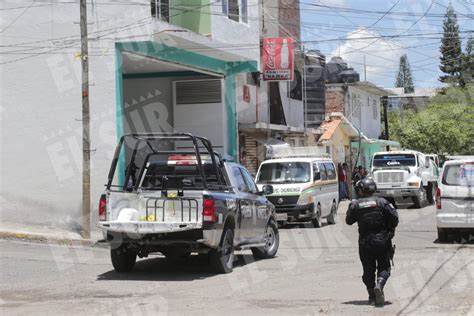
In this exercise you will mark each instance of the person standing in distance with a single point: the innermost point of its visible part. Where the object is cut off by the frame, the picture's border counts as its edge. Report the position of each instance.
(377, 220)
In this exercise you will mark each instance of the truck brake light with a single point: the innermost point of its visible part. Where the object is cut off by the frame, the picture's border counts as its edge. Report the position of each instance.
(102, 207)
(209, 211)
(438, 198)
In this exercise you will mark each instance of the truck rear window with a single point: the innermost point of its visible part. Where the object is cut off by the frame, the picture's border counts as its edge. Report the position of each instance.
(394, 160)
(459, 175)
(284, 172)
(161, 175)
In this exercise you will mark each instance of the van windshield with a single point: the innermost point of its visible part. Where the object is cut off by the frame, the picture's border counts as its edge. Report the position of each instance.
(459, 175)
(394, 160)
(284, 172)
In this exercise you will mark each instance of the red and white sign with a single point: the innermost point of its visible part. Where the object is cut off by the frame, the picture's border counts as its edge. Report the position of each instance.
(278, 60)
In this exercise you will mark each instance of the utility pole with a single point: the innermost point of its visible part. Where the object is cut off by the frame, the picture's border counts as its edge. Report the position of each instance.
(385, 118)
(86, 175)
(365, 70)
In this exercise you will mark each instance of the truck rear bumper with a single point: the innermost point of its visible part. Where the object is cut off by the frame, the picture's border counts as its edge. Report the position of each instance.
(142, 228)
(455, 220)
(160, 233)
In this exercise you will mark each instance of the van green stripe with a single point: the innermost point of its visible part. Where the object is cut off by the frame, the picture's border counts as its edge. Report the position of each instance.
(318, 186)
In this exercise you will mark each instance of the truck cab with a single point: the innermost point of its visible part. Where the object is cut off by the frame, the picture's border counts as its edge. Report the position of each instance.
(402, 175)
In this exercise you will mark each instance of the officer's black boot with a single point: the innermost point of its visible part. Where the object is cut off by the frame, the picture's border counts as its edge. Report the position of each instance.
(379, 296)
(371, 296)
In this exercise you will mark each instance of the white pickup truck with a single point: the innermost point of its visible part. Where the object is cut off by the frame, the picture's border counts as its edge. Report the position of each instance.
(402, 175)
(172, 194)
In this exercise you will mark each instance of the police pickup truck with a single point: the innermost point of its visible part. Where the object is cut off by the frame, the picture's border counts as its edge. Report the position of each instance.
(171, 193)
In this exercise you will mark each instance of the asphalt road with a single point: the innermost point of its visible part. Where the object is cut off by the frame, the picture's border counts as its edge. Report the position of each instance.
(317, 271)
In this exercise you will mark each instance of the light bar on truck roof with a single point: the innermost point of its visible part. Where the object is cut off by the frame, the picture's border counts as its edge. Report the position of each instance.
(187, 160)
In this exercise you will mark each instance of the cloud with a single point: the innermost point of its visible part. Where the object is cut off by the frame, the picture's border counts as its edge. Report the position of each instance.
(381, 55)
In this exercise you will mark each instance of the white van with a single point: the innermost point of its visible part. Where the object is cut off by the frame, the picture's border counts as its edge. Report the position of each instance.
(455, 198)
(304, 189)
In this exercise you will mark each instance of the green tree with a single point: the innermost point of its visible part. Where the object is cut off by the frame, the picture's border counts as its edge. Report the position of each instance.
(443, 127)
(451, 51)
(404, 77)
(468, 67)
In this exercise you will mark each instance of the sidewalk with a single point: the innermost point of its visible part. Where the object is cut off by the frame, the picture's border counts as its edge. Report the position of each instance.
(46, 234)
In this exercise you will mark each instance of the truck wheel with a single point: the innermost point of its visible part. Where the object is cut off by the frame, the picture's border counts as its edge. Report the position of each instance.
(316, 220)
(431, 193)
(123, 258)
(418, 200)
(442, 235)
(332, 217)
(272, 241)
(222, 258)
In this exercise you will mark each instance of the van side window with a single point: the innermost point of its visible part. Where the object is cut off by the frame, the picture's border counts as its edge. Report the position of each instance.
(322, 169)
(330, 170)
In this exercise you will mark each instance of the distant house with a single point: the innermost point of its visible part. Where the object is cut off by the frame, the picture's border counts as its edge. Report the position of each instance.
(360, 104)
(415, 101)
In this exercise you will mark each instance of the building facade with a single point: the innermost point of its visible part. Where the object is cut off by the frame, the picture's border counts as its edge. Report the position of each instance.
(360, 104)
(154, 66)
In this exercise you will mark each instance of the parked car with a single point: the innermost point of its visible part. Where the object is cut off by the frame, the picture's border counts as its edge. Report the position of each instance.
(455, 198)
(181, 201)
(305, 189)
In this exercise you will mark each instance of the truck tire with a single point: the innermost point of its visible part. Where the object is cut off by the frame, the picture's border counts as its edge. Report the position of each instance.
(123, 258)
(418, 200)
(272, 241)
(431, 193)
(442, 235)
(316, 220)
(333, 215)
(222, 258)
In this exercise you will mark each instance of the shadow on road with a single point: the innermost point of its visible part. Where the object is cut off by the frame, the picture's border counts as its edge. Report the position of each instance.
(307, 225)
(457, 239)
(195, 267)
(363, 302)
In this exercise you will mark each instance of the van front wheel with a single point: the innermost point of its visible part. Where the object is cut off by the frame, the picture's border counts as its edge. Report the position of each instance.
(316, 220)
(332, 216)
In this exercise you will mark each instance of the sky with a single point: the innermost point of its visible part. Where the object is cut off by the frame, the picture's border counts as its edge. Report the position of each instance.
(380, 32)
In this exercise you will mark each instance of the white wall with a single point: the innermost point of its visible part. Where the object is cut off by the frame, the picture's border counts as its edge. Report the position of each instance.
(148, 105)
(360, 111)
(243, 38)
(41, 134)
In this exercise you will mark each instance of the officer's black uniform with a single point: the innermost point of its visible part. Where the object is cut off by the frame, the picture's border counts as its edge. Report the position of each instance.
(377, 219)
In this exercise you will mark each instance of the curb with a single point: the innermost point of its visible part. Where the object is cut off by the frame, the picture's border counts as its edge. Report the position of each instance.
(44, 239)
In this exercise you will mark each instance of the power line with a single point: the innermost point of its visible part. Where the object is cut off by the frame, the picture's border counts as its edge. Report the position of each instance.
(19, 16)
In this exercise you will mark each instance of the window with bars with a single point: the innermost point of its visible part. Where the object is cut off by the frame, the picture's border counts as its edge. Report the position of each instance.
(160, 10)
(375, 109)
(236, 10)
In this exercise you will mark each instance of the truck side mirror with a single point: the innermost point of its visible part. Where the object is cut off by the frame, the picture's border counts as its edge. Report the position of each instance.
(317, 176)
(267, 189)
(427, 162)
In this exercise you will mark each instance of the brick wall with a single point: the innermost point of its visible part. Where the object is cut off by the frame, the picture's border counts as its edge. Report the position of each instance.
(334, 101)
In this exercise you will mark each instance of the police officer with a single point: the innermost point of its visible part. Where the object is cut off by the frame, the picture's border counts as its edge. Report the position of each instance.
(377, 220)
